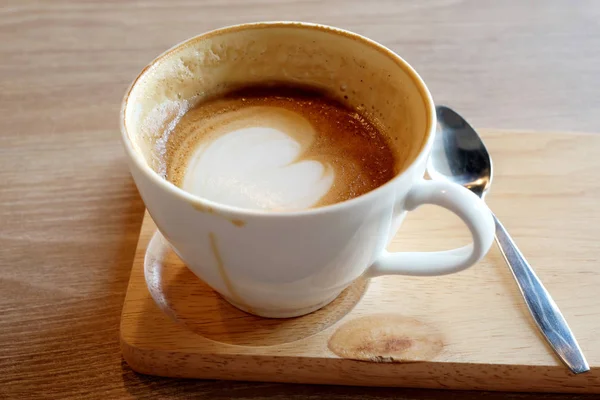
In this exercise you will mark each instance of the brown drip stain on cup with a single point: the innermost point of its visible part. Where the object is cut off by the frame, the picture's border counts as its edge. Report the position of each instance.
(210, 210)
(224, 275)
(386, 338)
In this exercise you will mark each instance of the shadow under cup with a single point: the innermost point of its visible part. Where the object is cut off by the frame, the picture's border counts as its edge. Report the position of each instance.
(279, 264)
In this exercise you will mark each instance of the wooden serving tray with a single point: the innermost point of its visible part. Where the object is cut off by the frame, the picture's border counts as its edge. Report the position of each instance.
(470, 330)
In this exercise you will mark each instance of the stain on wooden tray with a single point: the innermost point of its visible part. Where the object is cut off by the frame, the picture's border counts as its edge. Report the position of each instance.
(386, 338)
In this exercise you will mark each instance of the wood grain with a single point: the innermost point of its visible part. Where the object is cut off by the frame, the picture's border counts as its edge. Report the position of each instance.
(70, 214)
(464, 331)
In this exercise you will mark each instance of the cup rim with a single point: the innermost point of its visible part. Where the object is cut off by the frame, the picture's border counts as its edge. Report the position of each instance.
(203, 203)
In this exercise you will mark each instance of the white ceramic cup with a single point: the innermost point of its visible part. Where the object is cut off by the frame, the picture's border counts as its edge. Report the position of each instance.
(286, 264)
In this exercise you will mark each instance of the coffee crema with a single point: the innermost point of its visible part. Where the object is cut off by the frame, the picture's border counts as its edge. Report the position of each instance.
(277, 147)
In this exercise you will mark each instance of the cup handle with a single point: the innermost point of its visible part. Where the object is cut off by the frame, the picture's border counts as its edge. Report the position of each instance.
(470, 208)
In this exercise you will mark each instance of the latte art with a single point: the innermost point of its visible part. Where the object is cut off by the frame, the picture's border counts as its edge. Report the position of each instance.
(260, 167)
(274, 150)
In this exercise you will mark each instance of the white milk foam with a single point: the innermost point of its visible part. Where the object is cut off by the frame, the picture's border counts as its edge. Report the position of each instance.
(257, 168)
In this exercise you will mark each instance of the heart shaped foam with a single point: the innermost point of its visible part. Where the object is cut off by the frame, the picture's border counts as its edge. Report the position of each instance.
(260, 165)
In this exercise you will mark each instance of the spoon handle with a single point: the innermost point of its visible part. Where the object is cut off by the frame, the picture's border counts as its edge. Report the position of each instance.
(544, 310)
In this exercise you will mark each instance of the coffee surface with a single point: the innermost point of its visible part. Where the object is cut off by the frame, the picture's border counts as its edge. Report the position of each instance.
(276, 148)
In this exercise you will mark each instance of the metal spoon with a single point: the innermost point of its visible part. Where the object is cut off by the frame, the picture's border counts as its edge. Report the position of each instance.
(460, 156)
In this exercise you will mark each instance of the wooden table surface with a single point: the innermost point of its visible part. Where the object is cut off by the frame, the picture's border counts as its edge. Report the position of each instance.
(70, 213)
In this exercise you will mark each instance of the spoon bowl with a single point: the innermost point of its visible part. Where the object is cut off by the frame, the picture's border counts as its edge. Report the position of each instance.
(459, 155)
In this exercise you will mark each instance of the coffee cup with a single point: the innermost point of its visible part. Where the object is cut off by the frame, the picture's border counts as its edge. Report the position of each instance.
(286, 263)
